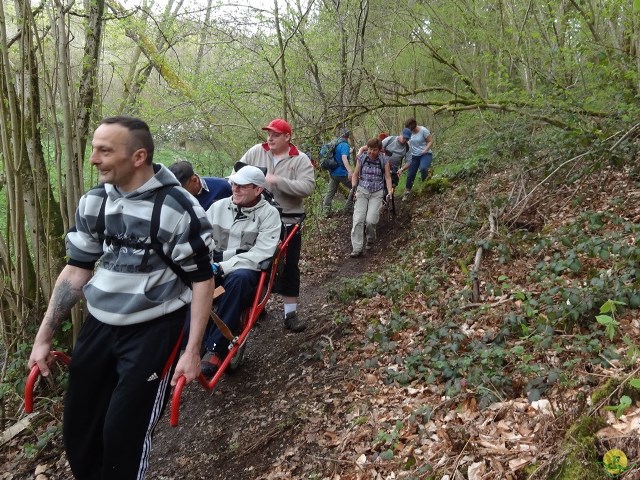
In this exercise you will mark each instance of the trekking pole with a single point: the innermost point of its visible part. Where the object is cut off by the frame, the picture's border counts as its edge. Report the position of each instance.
(393, 202)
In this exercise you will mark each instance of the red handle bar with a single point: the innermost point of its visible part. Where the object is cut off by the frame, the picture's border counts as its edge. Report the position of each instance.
(34, 373)
(175, 401)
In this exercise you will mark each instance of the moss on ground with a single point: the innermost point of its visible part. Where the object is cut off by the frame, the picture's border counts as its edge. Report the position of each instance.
(604, 391)
(582, 461)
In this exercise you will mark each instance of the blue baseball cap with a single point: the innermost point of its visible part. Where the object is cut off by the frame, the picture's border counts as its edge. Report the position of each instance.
(406, 133)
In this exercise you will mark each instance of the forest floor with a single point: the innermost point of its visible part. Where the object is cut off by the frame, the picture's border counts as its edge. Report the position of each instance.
(320, 405)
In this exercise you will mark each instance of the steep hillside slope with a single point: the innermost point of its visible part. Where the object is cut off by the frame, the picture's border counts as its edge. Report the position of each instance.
(465, 345)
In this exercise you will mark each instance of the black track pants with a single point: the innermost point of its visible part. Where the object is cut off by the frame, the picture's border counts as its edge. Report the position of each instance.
(288, 283)
(118, 387)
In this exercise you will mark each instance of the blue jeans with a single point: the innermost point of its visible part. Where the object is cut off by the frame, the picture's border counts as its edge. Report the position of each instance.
(421, 162)
(239, 290)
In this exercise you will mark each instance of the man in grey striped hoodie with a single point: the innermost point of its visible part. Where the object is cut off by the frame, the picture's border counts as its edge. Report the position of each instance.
(134, 274)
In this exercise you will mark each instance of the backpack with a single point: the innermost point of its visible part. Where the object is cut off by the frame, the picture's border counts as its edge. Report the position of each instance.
(155, 244)
(378, 164)
(327, 151)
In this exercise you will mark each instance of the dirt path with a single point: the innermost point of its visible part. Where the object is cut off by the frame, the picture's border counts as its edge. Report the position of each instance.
(249, 421)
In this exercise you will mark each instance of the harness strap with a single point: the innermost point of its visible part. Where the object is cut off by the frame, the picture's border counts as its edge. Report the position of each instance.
(155, 226)
(155, 244)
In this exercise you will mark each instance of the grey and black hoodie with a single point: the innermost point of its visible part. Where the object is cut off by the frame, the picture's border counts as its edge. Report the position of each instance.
(131, 283)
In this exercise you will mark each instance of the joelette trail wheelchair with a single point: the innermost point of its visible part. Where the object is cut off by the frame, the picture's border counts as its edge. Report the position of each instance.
(237, 342)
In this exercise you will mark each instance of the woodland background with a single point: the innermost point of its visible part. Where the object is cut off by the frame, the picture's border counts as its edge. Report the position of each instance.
(530, 86)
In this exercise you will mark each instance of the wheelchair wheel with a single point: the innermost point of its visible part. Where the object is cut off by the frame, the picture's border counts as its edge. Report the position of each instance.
(236, 361)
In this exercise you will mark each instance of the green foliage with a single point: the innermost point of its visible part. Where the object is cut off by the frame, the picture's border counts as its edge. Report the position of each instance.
(31, 450)
(623, 404)
(585, 243)
(394, 283)
(207, 163)
(608, 321)
(389, 438)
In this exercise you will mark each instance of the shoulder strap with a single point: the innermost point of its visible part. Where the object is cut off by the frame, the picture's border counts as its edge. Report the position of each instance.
(155, 226)
(100, 224)
(378, 163)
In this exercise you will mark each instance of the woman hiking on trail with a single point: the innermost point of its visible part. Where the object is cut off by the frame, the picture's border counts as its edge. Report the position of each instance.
(371, 173)
(421, 141)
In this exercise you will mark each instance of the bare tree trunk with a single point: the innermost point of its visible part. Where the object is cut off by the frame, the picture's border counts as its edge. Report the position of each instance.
(33, 247)
(203, 39)
(13, 156)
(74, 183)
(141, 76)
(282, 62)
(42, 212)
(88, 85)
(128, 92)
(358, 58)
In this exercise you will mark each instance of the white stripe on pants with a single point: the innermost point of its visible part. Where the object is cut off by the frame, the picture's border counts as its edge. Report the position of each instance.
(366, 211)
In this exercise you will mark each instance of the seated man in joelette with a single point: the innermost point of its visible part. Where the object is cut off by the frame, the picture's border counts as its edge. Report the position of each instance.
(246, 231)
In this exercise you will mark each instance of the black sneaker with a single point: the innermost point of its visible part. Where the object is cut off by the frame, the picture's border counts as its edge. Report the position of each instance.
(293, 322)
(209, 366)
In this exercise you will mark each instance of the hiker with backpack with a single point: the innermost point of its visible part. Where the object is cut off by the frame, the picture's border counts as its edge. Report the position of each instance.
(246, 231)
(340, 174)
(372, 173)
(124, 265)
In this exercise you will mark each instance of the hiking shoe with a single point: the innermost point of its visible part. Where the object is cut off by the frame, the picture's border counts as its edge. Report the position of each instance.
(209, 366)
(355, 253)
(406, 196)
(369, 246)
(293, 322)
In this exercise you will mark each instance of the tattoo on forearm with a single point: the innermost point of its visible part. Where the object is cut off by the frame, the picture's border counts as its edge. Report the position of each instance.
(63, 299)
